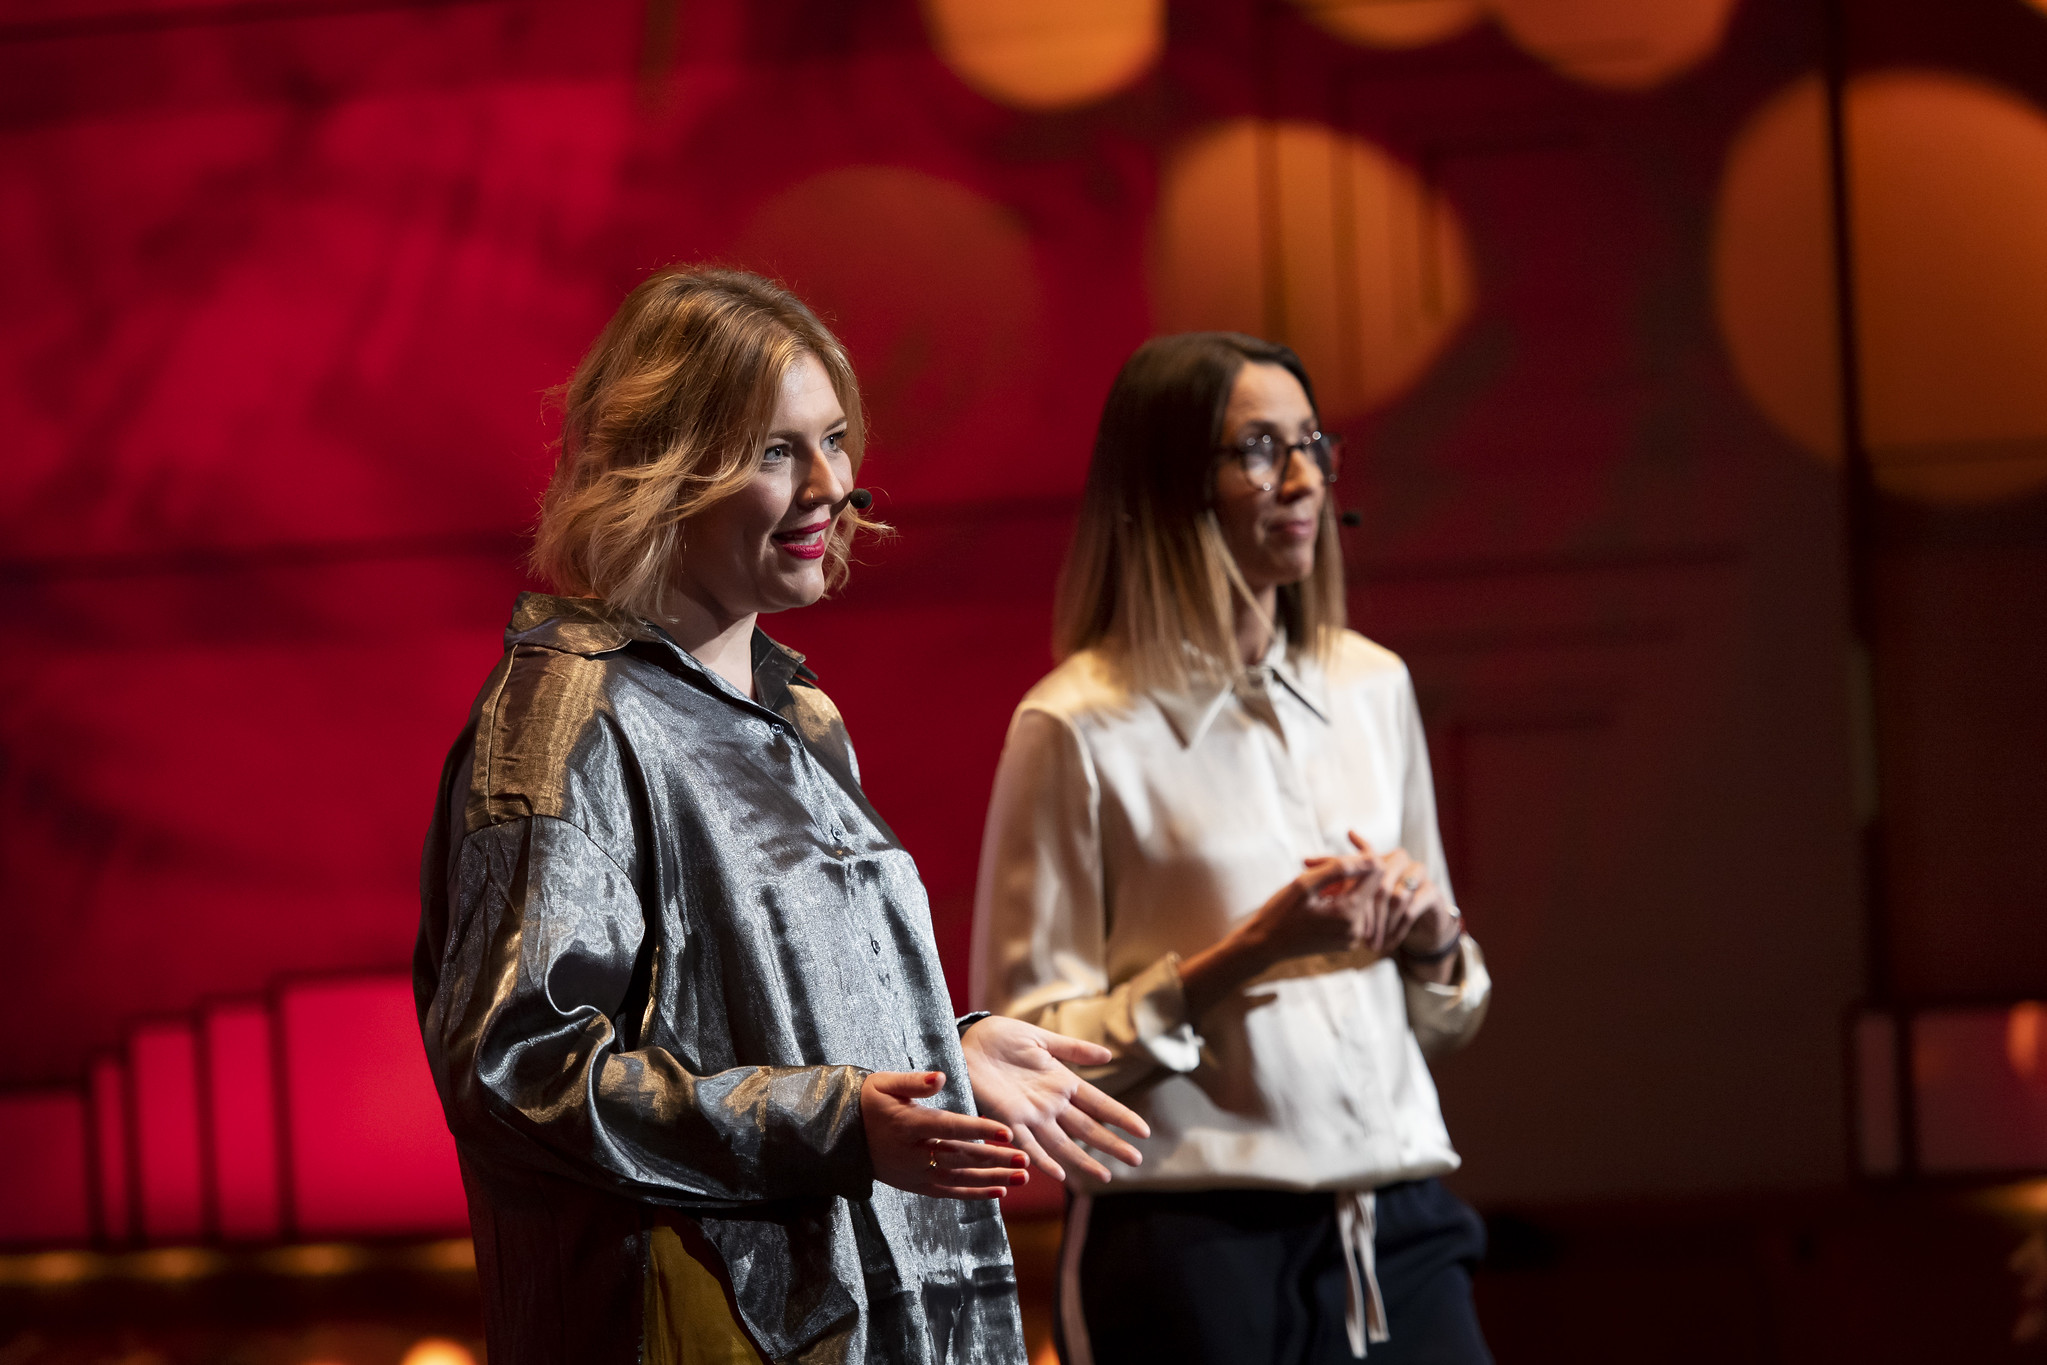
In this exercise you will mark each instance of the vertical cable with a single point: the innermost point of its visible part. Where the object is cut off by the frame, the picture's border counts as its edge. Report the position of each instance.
(1859, 508)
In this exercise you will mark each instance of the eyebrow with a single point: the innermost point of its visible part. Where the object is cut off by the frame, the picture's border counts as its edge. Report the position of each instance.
(841, 425)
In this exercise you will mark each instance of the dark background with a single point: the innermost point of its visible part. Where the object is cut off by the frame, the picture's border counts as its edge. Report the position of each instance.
(1733, 740)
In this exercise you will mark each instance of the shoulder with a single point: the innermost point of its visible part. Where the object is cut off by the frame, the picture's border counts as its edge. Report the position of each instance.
(548, 736)
(1362, 664)
(1086, 689)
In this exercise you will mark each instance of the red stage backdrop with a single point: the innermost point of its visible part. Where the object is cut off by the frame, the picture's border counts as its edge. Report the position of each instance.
(283, 287)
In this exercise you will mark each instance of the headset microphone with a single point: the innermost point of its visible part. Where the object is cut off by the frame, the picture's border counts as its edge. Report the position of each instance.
(1351, 517)
(861, 499)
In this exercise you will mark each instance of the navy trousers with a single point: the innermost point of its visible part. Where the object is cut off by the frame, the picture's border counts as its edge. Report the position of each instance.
(1256, 1277)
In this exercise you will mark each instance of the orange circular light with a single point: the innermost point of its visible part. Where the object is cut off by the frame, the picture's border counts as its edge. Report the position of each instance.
(1948, 209)
(1047, 54)
(1616, 44)
(934, 290)
(1298, 233)
(1393, 23)
(438, 1351)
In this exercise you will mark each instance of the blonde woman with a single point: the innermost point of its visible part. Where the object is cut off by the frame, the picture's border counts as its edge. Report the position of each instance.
(675, 975)
(1212, 850)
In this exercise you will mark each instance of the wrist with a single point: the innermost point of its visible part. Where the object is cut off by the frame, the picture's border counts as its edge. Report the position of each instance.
(1445, 945)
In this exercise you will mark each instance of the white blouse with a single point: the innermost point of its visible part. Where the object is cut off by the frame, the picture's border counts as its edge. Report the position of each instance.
(1130, 829)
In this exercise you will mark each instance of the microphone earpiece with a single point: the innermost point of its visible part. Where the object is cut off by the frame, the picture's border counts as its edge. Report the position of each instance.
(1351, 517)
(861, 499)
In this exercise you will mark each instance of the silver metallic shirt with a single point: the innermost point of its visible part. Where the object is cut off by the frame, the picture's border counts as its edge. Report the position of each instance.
(664, 938)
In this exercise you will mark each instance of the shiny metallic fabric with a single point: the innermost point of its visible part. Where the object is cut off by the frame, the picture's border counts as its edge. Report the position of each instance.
(663, 939)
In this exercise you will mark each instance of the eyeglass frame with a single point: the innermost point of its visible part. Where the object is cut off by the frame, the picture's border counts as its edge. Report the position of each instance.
(1329, 463)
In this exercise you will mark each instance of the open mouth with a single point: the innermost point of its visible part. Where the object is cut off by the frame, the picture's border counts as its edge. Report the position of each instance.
(804, 542)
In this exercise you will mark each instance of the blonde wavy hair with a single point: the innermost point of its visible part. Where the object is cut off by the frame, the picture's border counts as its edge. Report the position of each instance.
(1149, 579)
(667, 415)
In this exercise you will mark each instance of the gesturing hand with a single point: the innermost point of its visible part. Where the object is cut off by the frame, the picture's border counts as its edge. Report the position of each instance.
(934, 1151)
(1020, 1076)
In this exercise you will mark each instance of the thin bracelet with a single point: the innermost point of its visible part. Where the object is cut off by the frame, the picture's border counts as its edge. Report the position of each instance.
(1431, 959)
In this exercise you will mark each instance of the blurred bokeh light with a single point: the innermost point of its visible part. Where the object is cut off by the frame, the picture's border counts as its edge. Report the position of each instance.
(1047, 54)
(1948, 178)
(1317, 238)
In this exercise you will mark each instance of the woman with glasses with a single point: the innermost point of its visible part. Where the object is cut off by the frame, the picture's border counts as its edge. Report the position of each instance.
(1212, 850)
(675, 974)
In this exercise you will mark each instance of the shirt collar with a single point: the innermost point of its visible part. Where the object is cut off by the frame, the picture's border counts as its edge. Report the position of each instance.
(1191, 711)
(591, 626)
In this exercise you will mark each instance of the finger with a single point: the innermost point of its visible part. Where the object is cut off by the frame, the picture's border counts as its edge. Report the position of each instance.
(965, 1155)
(1094, 1102)
(1103, 1139)
(1357, 842)
(908, 1085)
(1075, 1051)
(921, 1124)
(966, 1191)
(1027, 1139)
(1070, 1152)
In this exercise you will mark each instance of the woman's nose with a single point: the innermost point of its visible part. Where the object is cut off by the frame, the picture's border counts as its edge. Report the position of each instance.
(824, 486)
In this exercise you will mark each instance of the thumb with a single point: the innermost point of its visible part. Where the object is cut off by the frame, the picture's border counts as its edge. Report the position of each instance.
(1358, 843)
(909, 1085)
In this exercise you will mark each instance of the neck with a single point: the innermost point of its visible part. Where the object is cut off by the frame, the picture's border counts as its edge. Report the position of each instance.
(716, 639)
(1254, 624)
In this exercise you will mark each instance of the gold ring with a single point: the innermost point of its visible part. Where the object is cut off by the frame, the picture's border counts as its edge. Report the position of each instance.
(934, 1159)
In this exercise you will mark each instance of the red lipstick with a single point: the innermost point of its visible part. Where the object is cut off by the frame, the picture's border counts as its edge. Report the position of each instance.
(799, 543)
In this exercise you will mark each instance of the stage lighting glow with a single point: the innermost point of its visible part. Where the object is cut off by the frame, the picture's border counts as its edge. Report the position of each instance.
(1311, 237)
(1948, 208)
(1616, 44)
(438, 1351)
(1392, 23)
(1047, 54)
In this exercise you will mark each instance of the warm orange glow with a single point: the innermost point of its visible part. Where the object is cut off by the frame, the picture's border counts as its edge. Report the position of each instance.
(1047, 54)
(1348, 257)
(2022, 1039)
(1393, 23)
(934, 289)
(438, 1351)
(1948, 179)
(1617, 44)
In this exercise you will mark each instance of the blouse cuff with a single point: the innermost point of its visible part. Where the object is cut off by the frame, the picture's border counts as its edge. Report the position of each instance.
(1158, 1016)
(967, 1021)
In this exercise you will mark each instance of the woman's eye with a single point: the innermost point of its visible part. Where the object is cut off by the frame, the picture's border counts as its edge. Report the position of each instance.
(774, 454)
(835, 441)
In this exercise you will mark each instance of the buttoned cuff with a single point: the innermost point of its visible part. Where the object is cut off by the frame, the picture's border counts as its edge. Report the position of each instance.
(1158, 1016)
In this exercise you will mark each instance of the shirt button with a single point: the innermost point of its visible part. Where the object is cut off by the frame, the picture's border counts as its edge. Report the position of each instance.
(875, 944)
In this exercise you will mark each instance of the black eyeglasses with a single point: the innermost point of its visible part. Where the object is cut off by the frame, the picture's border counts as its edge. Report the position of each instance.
(1265, 456)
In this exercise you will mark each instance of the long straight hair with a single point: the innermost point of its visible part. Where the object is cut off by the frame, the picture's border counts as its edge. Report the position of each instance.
(666, 416)
(1149, 574)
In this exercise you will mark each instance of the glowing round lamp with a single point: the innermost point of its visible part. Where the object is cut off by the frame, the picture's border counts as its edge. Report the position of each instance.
(1047, 54)
(1298, 233)
(1392, 23)
(1616, 44)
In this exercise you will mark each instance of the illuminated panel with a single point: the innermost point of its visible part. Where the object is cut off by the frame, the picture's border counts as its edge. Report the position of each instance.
(241, 1103)
(43, 1194)
(369, 1152)
(1047, 54)
(1949, 185)
(110, 1149)
(169, 1181)
(1300, 234)
(1980, 1077)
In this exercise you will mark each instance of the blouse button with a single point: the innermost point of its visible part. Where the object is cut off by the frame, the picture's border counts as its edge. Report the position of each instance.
(875, 943)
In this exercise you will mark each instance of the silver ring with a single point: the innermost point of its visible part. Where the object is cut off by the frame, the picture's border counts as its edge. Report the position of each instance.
(1409, 883)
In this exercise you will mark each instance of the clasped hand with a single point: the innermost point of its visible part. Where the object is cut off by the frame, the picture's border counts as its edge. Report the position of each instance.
(1034, 1111)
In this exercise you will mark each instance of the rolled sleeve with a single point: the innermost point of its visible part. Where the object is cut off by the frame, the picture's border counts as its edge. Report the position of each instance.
(1041, 917)
(1445, 1016)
